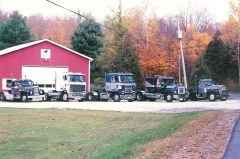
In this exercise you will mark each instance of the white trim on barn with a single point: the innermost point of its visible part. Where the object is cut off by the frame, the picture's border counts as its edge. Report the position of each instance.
(18, 47)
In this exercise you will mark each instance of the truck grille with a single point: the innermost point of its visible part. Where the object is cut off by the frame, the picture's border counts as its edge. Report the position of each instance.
(128, 89)
(181, 90)
(35, 90)
(77, 88)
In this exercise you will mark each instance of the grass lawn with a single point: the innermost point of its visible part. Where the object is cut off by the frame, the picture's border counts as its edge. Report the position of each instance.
(66, 133)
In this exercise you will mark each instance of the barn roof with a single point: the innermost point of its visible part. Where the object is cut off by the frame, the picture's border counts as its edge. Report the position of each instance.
(22, 46)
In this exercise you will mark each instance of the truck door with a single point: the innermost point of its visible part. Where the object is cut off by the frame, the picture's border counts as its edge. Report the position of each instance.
(158, 85)
(201, 88)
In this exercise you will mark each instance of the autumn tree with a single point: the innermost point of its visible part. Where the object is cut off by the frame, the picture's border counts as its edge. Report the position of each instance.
(14, 31)
(196, 15)
(87, 40)
(218, 59)
(3, 16)
(231, 36)
(114, 32)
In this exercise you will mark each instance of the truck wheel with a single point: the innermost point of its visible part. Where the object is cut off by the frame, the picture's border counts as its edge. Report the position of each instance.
(2, 97)
(212, 97)
(130, 100)
(116, 97)
(169, 97)
(64, 97)
(90, 96)
(139, 96)
(24, 97)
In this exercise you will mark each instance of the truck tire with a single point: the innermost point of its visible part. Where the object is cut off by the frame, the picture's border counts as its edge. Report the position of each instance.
(64, 97)
(24, 97)
(212, 97)
(130, 100)
(116, 97)
(90, 96)
(2, 97)
(169, 97)
(139, 96)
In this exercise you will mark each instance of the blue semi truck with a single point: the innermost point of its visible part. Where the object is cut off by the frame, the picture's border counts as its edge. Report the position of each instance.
(118, 86)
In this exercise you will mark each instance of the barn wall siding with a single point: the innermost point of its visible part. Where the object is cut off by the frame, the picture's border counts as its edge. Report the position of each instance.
(31, 56)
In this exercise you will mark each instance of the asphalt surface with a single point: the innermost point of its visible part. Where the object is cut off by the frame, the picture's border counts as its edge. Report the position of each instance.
(233, 148)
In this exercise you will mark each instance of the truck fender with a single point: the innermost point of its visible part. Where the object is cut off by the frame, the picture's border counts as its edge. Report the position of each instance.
(140, 95)
(3, 95)
(92, 96)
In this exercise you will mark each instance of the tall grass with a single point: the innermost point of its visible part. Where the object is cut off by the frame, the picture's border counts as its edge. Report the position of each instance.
(53, 133)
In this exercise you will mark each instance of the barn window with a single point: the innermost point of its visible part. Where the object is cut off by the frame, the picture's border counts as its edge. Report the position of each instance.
(7, 83)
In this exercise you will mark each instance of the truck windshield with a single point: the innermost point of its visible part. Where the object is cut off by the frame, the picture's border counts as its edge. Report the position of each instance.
(207, 83)
(127, 79)
(76, 78)
(27, 83)
(168, 81)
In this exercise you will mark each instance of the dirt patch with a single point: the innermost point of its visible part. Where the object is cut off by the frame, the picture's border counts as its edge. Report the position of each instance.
(206, 137)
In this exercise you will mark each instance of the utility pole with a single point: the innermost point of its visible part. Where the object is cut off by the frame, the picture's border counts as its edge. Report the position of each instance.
(183, 63)
(179, 63)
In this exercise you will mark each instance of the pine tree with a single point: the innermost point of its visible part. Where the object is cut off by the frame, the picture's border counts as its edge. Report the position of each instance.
(126, 61)
(14, 31)
(87, 40)
(201, 71)
(218, 59)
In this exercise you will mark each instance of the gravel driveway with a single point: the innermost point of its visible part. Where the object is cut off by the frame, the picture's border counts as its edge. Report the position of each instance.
(124, 106)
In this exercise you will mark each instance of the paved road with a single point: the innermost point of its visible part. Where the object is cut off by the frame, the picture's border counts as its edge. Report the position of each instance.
(233, 149)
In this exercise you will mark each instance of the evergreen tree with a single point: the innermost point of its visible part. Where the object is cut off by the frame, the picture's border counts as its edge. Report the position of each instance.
(201, 71)
(14, 31)
(218, 59)
(87, 40)
(126, 61)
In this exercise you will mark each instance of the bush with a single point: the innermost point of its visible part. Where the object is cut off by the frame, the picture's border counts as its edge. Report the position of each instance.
(99, 81)
(234, 87)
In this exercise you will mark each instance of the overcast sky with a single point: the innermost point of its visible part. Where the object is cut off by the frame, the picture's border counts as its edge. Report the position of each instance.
(100, 8)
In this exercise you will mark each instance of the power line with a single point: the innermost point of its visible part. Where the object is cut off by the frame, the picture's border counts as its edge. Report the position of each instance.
(105, 25)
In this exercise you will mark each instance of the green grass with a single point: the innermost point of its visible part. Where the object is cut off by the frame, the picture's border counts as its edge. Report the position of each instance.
(53, 133)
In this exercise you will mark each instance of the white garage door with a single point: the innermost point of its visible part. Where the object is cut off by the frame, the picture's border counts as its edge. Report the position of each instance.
(42, 76)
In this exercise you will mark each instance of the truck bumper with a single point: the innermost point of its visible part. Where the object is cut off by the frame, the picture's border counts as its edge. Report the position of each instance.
(127, 96)
(37, 98)
(181, 97)
(77, 96)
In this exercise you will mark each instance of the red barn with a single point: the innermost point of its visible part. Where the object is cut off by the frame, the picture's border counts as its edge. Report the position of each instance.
(40, 58)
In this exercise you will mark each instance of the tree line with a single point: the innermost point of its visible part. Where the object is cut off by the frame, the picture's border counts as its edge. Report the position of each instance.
(136, 40)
